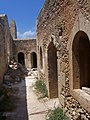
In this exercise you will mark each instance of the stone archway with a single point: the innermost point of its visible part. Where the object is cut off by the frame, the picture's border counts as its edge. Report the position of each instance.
(41, 58)
(21, 58)
(33, 60)
(81, 60)
(52, 71)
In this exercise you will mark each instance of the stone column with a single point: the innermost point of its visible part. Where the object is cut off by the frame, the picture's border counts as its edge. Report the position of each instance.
(28, 60)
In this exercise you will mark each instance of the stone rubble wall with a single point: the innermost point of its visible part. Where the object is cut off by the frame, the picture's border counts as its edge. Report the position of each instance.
(6, 41)
(55, 16)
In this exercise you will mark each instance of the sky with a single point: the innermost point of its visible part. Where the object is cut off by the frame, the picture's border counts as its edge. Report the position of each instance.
(25, 13)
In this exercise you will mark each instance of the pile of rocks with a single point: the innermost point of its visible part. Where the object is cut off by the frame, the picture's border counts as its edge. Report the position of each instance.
(15, 73)
(74, 110)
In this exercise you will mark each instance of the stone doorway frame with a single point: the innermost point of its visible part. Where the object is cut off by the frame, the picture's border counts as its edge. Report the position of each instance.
(81, 24)
(52, 40)
(80, 62)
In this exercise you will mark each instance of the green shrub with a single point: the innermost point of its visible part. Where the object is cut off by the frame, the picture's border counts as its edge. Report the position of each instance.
(41, 87)
(56, 114)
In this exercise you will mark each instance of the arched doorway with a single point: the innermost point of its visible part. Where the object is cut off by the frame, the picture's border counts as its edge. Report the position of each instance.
(81, 60)
(52, 71)
(33, 60)
(21, 58)
(41, 59)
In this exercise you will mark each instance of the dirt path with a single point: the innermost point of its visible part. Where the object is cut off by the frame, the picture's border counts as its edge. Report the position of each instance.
(37, 109)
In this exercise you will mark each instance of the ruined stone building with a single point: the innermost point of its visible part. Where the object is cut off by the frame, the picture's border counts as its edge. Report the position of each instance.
(25, 52)
(22, 50)
(63, 52)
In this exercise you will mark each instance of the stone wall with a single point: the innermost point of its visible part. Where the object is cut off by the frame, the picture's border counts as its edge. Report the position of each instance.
(26, 46)
(10, 46)
(6, 44)
(58, 22)
(13, 29)
(8, 40)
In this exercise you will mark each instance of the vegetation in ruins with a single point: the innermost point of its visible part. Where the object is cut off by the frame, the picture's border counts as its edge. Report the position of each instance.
(56, 114)
(41, 87)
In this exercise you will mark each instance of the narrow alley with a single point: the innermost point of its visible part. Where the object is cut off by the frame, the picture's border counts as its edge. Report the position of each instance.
(28, 106)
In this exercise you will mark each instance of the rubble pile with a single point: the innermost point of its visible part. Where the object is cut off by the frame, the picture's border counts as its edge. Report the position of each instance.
(33, 72)
(74, 110)
(15, 73)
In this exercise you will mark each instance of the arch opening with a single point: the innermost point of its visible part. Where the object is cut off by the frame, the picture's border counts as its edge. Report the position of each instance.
(41, 59)
(81, 60)
(21, 58)
(33, 60)
(52, 71)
